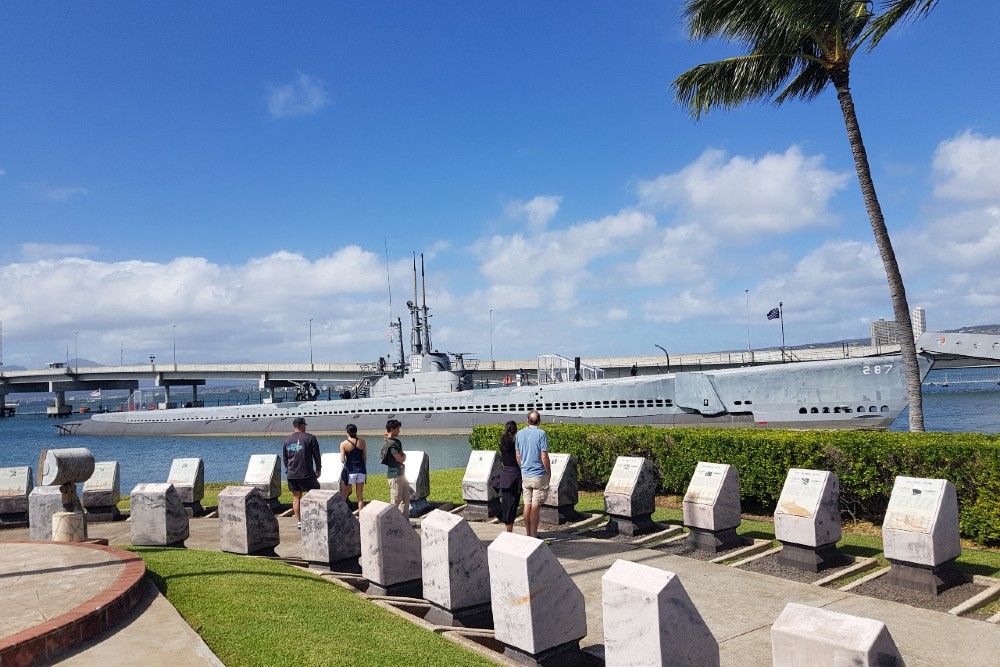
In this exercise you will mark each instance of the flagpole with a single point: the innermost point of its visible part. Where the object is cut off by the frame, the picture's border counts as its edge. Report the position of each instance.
(781, 316)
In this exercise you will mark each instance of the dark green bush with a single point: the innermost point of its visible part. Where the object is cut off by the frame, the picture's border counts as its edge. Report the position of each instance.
(866, 462)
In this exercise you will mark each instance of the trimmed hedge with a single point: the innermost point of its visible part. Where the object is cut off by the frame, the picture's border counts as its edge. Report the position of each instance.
(866, 462)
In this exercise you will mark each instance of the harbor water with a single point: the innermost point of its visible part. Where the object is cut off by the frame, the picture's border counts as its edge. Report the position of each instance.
(966, 400)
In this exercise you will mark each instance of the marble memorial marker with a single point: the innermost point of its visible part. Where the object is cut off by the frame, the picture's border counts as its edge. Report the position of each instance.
(920, 534)
(159, 518)
(712, 509)
(390, 551)
(43, 502)
(329, 478)
(559, 505)
(481, 499)
(264, 472)
(537, 608)
(807, 520)
(102, 492)
(188, 478)
(804, 635)
(649, 619)
(15, 485)
(455, 571)
(630, 496)
(246, 523)
(418, 473)
(331, 534)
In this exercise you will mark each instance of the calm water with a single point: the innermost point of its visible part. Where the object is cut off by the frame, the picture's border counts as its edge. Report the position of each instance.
(969, 403)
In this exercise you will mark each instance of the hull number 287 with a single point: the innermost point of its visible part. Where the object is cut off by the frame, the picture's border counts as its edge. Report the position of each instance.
(877, 369)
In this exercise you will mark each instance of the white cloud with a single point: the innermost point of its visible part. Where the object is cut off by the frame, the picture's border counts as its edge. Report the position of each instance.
(303, 97)
(538, 211)
(744, 197)
(31, 252)
(617, 314)
(967, 168)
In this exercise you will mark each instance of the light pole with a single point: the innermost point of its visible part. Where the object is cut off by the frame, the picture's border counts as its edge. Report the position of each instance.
(492, 365)
(174, 331)
(121, 357)
(310, 343)
(76, 351)
(748, 321)
(665, 352)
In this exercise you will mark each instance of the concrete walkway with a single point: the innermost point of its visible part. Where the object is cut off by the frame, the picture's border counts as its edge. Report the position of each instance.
(737, 605)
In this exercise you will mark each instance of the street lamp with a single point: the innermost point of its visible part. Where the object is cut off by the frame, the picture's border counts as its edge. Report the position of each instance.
(174, 331)
(492, 365)
(664, 352)
(748, 321)
(121, 357)
(76, 351)
(310, 343)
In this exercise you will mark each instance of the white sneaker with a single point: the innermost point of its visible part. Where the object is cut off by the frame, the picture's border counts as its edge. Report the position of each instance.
(299, 526)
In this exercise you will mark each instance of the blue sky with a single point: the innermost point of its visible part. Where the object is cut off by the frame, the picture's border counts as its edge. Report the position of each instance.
(225, 172)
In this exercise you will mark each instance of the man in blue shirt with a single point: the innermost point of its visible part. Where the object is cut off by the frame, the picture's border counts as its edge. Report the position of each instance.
(533, 457)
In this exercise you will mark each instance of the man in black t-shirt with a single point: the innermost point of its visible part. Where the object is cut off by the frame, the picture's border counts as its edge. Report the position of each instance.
(300, 452)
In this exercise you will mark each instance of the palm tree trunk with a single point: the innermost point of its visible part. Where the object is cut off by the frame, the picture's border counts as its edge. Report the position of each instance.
(900, 308)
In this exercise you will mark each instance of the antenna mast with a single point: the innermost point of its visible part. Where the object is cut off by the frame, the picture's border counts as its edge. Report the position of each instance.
(427, 322)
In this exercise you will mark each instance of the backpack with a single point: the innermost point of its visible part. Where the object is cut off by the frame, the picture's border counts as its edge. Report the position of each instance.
(384, 456)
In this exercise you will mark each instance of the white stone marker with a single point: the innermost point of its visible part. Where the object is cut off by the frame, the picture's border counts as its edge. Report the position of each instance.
(158, 516)
(43, 502)
(390, 551)
(455, 571)
(712, 509)
(807, 520)
(649, 619)
(920, 535)
(331, 535)
(538, 611)
(329, 478)
(102, 492)
(481, 500)
(559, 504)
(69, 527)
(246, 523)
(188, 478)
(15, 485)
(264, 472)
(805, 635)
(418, 474)
(630, 496)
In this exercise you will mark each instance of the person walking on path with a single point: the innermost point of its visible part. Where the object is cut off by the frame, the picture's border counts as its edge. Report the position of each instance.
(399, 487)
(509, 481)
(532, 448)
(354, 456)
(300, 451)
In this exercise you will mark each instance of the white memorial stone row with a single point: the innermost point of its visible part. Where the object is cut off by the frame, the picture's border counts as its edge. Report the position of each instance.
(15, 485)
(481, 498)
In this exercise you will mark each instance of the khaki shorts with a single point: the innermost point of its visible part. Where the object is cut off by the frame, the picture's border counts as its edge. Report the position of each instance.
(535, 489)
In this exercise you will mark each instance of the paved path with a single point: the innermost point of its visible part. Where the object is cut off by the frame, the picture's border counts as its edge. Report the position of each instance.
(737, 605)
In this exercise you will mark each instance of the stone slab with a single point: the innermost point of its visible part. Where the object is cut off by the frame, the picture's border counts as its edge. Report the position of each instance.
(330, 532)
(477, 483)
(390, 547)
(808, 510)
(418, 473)
(158, 517)
(804, 635)
(631, 489)
(536, 605)
(103, 488)
(712, 500)
(564, 483)
(188, 478)
(43, 502)
(246, 523)
(649, 619)
(264, 472)
(329, 478)
(15, 485)
(455, 569)
(921, 522)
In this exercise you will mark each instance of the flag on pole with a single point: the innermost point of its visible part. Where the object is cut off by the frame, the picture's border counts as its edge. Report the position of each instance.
(96, 393)
(773, 314)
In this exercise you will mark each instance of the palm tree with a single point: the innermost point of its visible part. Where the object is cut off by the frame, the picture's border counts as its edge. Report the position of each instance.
(795, 48)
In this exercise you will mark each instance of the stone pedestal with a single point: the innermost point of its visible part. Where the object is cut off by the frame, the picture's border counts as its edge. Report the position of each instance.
(246, 523)
(331, 535)
(482, 501)
(807, 520)
(102, 492)
(15, 485)
(390, 551)
(538, 612)
(159, 518)
(630, 497)
(455, 570)
(329, 479)
(712, 507)
(650, 620)
(264, 472)
(69, 527)
(920, 535)
(559, 505)
(804, 635)
(188, 478)
(43, 502)
(418, 473)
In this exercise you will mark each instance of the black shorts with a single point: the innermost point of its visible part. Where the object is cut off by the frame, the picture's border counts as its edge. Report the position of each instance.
(307, 484)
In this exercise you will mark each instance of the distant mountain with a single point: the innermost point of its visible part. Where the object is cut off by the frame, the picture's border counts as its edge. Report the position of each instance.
(7, 368)
(989, 329)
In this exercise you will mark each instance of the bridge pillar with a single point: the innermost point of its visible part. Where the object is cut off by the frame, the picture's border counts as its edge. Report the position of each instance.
(59, 407)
